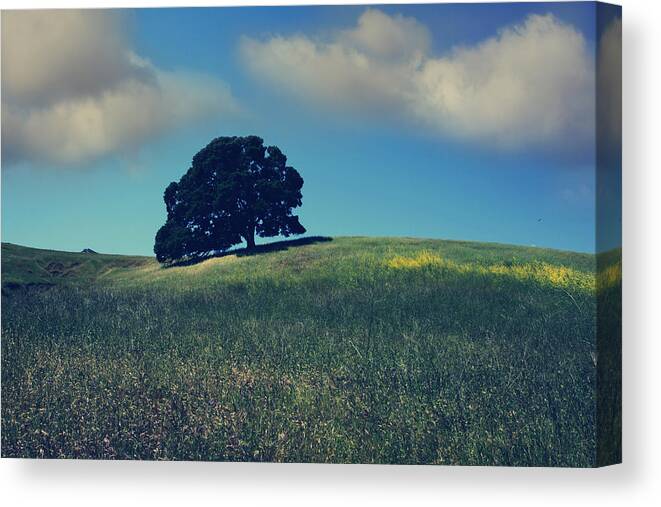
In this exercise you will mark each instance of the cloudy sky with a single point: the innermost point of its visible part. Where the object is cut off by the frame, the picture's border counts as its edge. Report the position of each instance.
(446, 121)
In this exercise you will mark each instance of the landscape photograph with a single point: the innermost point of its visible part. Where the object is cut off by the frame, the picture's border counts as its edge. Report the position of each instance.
(360, 234)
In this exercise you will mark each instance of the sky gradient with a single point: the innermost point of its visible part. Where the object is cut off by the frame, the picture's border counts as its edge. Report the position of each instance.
(471, 122)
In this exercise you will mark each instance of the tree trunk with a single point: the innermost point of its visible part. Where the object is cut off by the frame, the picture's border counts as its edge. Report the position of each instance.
(250, 238)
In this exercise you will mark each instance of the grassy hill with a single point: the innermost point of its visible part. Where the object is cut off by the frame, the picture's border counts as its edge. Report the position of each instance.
(372, 350)
(24, 267)
(313, 257)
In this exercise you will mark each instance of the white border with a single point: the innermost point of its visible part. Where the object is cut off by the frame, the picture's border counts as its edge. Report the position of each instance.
(636, 482)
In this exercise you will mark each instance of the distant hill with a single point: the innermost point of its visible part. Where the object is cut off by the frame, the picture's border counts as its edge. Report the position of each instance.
(33, 266)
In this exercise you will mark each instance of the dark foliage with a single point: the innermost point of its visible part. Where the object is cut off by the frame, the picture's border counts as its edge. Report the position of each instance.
(235, 189)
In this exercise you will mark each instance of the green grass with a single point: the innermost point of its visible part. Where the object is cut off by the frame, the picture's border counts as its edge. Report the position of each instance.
(23, 266)
(315, 353)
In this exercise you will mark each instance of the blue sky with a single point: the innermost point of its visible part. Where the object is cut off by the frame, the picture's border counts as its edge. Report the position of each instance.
(449, 133)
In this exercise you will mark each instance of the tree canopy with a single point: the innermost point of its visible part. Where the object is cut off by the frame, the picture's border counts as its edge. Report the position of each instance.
(236, 188)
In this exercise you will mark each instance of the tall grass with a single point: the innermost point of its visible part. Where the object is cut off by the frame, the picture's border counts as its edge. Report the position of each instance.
(323, 353)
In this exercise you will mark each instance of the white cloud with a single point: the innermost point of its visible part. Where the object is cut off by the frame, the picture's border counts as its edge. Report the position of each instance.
(530, 85)
(388, 36)
(74, 91)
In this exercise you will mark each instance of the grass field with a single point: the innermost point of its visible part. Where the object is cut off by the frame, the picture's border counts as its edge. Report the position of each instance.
(355, 350)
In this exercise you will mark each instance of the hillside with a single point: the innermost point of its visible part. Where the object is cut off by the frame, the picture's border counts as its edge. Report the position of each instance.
(371, 350)
(24, 266)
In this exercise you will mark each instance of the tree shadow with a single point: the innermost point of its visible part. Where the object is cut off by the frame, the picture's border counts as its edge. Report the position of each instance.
(276, 246)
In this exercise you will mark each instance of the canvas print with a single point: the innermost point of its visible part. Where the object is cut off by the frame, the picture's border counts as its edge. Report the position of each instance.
(385, 234)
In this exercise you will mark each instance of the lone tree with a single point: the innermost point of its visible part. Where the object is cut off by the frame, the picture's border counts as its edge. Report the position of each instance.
(235, 188)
